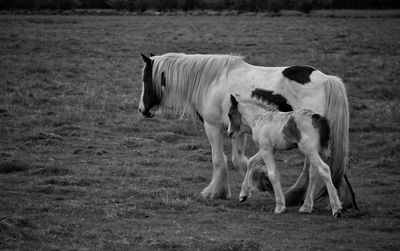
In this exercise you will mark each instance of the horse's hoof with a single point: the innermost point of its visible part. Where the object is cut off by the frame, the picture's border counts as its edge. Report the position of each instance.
(306, 210)
(208, 193)
(338, 213)
(280, 210)
(243, 198)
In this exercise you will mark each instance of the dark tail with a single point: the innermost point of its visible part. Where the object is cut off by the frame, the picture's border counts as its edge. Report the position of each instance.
(260, 178)
(265, 184)
(322, 124)
(352, 203)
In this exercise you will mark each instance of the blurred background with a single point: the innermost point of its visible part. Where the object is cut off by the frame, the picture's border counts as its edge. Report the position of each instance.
(81, 169)
(187, 5)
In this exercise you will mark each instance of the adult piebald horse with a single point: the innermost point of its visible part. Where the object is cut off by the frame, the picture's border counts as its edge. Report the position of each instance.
(200, 86)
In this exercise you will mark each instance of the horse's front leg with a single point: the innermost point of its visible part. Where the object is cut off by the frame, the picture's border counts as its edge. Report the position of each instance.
(245, 192)
(273, 175)
(218, 187)
(239, 160)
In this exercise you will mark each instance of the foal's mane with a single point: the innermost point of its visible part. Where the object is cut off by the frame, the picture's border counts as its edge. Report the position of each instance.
(261, 104)
(189, 76)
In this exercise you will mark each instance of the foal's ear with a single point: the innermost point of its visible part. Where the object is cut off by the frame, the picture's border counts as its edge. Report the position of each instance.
(233, 101)
(152, 55)
(163, 81)
(145, 58)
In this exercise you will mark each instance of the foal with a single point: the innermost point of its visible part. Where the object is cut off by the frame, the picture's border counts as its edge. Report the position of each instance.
(273, 130)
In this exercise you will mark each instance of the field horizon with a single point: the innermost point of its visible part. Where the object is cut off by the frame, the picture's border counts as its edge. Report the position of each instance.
(81, 169)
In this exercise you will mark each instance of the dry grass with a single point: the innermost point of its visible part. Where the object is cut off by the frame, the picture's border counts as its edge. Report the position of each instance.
(80, 169)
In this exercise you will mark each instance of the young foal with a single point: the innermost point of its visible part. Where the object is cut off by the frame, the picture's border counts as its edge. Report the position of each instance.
(273, 130)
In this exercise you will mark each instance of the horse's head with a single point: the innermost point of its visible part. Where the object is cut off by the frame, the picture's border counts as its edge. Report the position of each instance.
(151, 95)
(235, 119)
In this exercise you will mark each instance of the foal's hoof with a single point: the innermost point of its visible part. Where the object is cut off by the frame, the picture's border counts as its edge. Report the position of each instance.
(243, 198)
(337, 213)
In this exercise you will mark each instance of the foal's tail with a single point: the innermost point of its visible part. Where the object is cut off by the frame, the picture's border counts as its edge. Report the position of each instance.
(324, 130)
(337, 113)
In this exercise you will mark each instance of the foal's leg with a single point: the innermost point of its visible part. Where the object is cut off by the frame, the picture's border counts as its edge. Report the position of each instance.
(323, 170)
(218, 187)
(273, 175)
(245, 192)
(309, 200)
(238, 159)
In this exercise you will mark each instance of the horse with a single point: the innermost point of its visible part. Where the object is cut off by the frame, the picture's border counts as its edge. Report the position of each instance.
(274, 130)
(198, 86)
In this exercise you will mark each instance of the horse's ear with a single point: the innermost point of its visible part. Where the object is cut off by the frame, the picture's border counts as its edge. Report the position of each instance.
(152, 55)
(163, 81)
(233, 101)
(145, 58)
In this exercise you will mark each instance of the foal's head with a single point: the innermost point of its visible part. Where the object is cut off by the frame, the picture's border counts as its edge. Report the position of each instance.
(235, 119)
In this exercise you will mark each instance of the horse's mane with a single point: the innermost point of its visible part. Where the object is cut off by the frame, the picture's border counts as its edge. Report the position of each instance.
(188, 77)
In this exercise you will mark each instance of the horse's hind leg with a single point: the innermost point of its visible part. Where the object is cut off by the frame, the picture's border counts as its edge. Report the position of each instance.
(323, 170)
(238, 159)
(218, 187)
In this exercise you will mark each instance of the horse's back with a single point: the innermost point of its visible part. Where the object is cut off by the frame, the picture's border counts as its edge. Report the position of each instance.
(292, 88)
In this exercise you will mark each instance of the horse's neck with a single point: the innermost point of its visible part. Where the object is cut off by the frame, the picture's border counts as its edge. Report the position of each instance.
(252, 114)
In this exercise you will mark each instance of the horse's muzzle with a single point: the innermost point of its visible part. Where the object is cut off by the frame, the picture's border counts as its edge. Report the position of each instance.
(146, 114)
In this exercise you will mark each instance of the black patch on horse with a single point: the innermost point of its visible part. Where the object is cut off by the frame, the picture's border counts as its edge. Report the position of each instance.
(200, 117)
(275, 99)
(300, 74)
(291, 132)
(150, 95)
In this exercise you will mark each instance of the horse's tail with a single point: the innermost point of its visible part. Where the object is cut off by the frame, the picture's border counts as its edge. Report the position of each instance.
(337, 113)
(324, 130)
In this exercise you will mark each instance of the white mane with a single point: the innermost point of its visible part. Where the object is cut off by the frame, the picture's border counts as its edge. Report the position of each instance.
(188, 78)
(264, 105)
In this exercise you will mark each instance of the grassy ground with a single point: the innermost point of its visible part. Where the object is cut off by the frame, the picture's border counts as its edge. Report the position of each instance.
(80, 169)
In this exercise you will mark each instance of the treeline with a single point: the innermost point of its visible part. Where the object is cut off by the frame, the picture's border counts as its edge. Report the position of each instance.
(189, 5)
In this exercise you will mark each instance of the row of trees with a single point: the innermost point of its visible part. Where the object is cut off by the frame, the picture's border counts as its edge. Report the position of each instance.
(187, 5)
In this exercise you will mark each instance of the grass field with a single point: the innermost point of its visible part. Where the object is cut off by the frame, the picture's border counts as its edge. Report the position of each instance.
(80, 169)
